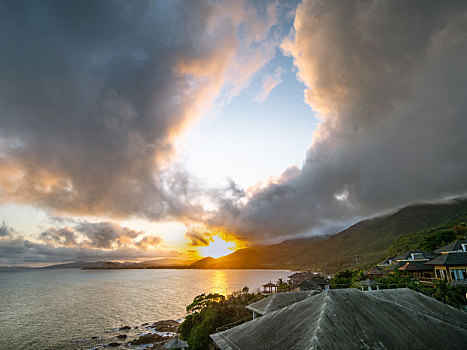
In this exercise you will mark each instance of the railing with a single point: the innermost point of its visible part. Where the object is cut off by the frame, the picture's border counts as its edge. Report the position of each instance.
(233, 324)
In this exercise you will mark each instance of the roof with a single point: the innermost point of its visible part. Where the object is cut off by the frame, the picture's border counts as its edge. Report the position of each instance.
(385, 319)
(269, 285)
(312, 283)
(277, 301)
(375, 270)
(452, 247)
(176, 344)
(415, 266)
(408, 255)
(369, 282)
(386, 261)
(449, 259)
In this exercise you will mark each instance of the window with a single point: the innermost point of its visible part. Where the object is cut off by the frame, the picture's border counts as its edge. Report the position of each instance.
(458, 274)
(440, 274)
(464, 247)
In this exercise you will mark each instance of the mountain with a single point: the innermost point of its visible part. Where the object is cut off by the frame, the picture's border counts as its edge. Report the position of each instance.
(360, 245)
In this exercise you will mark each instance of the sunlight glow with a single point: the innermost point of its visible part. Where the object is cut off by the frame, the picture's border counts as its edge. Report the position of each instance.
(217, 248)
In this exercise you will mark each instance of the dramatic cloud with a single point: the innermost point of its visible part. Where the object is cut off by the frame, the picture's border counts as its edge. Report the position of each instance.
(93, 94)
(20, 250)
(196, 238)
(83, 241)
(61, 236)
(387, 80)
(6, 230)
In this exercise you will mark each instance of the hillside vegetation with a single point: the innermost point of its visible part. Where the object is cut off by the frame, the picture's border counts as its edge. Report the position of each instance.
(359, 246)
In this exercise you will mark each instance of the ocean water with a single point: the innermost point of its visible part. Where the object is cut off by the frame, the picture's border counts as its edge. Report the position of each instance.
(65, 309)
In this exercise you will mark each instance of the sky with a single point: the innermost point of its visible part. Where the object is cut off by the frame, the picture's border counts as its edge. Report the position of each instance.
(152, 129)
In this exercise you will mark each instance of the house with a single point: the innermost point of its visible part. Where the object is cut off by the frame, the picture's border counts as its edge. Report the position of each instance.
(451, 267)
(375, 272)
(348, 319)
(459, 245)
(414, 255)
(312, 284)
(299, 277)
(417, 269)
(413, 263)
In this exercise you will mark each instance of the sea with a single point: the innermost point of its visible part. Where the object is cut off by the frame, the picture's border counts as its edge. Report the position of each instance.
(84, 309)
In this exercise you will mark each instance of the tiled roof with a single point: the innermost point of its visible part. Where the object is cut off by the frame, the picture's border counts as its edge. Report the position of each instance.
(415, 266)
(449, 259)
(349, 318)
(408, 255)
(453, 246)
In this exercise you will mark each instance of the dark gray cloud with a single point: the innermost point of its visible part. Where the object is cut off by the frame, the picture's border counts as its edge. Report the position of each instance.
(61, 236)
(6, 230)
(387, 79)
(93, 93)
(104, 235)
(196, 238)
(84, 241)
(19, 250)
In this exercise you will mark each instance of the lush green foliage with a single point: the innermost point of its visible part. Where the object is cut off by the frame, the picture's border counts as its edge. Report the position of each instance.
(428, 240)
(209, 312)
(440, 290)
(347, 278)
(360, 246)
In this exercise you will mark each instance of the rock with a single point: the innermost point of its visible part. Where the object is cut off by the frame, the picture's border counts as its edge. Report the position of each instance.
(121, 336)
(115, 343)
(125, 328)
(148, 339)
(166, 326)
(136, 327)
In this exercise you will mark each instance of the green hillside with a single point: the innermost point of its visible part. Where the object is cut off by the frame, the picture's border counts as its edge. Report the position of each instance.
(360, 245)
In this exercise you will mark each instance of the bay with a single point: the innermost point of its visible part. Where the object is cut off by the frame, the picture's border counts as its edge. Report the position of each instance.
(64, 309)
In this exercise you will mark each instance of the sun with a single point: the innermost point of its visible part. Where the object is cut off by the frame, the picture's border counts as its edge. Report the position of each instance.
(217, 248)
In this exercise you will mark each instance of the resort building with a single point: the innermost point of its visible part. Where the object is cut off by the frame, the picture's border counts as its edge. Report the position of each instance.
(451, 267)
(312, 284)
(375, 272)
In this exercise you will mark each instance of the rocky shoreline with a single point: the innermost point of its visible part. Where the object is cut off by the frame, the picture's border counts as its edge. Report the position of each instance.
(151, 335)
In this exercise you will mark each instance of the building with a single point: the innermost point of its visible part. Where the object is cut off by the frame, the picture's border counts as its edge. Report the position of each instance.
(375, 272)
(414, 255)
(417, 269)
(299, 277)
(312, 284)
(450, 267)
(352, 319)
